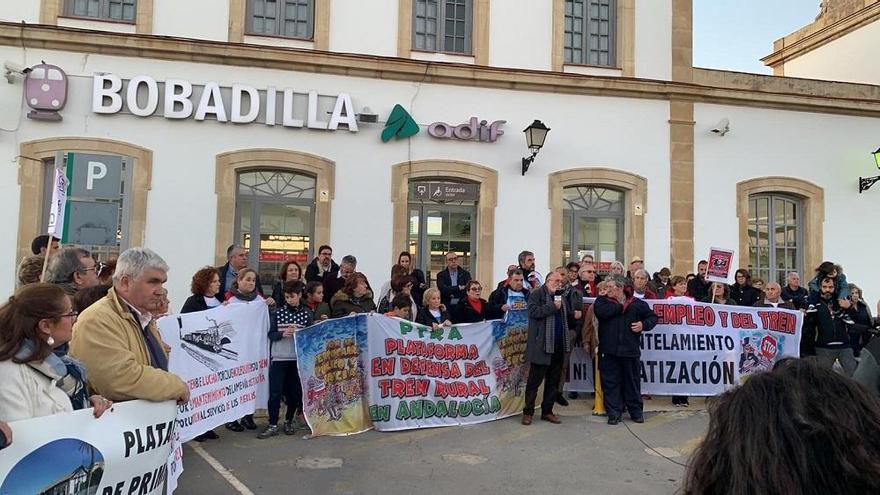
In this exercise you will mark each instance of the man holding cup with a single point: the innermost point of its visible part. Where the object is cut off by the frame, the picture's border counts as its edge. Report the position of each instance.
(548, 342)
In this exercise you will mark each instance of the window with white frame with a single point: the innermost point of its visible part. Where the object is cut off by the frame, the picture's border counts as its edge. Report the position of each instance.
(775, 231)
(591, 32)
(443, 26)
(104, 10)
(286, 18)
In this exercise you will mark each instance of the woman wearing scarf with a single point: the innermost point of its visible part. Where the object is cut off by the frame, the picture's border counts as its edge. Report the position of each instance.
(473, 308)
(243, 291)
(37, 381)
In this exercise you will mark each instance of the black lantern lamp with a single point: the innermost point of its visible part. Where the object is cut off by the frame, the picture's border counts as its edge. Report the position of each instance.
(536, 133)
(865, 183)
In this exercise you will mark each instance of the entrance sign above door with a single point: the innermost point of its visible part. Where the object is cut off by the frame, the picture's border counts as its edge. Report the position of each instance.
(446, 191)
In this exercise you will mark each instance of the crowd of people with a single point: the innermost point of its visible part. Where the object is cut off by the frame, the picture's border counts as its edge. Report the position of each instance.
(81, 334)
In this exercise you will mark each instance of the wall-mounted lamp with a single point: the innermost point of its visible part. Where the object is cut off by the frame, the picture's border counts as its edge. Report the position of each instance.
(865, 183)
(536, 133)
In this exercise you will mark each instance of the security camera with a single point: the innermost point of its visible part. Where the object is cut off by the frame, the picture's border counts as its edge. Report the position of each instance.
(722, 128)
(367, 116)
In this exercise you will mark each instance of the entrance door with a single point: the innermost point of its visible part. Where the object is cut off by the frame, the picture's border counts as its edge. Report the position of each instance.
(439, 226)
(592, 223)
(275, 220)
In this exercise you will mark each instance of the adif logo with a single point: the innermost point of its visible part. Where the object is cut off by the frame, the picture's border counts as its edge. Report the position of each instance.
(474, 130)
(400, 125)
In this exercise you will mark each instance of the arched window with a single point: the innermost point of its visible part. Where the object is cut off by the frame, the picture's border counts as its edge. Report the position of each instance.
(775, 236)
(593, 222)
(275, 219)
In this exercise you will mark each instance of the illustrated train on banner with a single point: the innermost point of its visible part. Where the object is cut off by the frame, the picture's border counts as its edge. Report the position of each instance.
(362, 372)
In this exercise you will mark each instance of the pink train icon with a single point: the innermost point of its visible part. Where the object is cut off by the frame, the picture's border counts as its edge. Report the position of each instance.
(45, 90)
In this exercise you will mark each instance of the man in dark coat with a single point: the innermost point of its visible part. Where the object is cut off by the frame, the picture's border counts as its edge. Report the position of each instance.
(236, 259)
(698, 287)
(500, 297)
(548, 342)
(321, 265)
(772, 298)
(794, 293)
(621, 318)
(335, 280)
(452, 281)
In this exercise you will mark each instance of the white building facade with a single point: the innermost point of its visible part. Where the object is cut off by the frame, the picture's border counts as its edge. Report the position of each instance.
(187, 163)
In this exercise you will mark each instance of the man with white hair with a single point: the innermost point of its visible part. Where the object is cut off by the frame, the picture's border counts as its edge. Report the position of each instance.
(772, 298)
(117, 340)
(794, 293)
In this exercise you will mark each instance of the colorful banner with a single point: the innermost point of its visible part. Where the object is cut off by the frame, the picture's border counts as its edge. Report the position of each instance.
(720, 261)
(124, 451)
(331, 370)
(704, 349)
(510, 367)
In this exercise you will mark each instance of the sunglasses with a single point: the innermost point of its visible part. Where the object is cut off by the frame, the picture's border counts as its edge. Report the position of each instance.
(476, 289)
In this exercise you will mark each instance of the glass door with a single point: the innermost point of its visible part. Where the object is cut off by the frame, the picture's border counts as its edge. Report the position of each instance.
(592, 224)
(436, 230)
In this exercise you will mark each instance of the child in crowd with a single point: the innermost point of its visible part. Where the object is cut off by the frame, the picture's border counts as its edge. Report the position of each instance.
(243, 290)
(842, 306)
(401, 307)
(283, 373)
(314, 301)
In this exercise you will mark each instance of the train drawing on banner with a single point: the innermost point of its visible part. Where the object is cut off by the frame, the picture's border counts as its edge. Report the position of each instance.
(214, 338)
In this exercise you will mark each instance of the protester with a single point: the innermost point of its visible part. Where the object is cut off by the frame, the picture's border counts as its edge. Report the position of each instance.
(841, 290)
(117, 339)
(677, 287)
(512, 294)
(772, 298)
(794, 293)
(244, 288)
(452, 281)
(420, 283)
(105, 274)
(574, 310)
(824, 426)
(397, 270)
(36, 381)
(698, 287)
(315, 301)
(572, 273)
(635, 264)
(400, 285)
(588, 258)
(322, 265)
(473, 308)
(335, 281)
(354, 297)
(284, 380)
(41, 243)
(510, 269)
(590, 337)
(548, 341)
(400, 307)
(758, 285)
(204, 288)
(641, 290)
(868, 372)
(433, 313)
(621, 320)
(236, 260)
(720, 294)
(660, 283)
(30, 270)
(526, 261)
(587, 280)
(831, 338)
(742, 292)
(72, 268)
(88, 296)
(616, 268)
(290, 271)
(862, 320)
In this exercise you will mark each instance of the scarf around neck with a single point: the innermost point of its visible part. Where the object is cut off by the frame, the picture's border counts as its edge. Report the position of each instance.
(249, 296)
(66, 373)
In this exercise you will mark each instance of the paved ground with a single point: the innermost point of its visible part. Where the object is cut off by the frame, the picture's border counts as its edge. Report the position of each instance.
(582, 455)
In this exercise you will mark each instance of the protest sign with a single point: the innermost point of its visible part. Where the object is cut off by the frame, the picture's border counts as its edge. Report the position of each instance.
(704, 349)
(59, 206)
(719, 265)
(123, 451)
(580, 371)
(331, 371)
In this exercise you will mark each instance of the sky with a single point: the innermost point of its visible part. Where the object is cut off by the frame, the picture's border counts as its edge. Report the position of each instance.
(736, 34)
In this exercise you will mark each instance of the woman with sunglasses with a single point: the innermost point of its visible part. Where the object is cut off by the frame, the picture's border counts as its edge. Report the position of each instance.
(472, 308)
(36, 381)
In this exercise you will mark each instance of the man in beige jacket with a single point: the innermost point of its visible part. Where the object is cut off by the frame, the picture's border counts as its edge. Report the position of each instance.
(117, 339)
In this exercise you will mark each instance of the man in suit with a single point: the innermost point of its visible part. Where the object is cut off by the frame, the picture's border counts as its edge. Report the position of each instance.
(452, 281)
(236, 259)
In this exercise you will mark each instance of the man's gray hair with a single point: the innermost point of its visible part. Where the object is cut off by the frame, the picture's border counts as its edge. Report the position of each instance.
(788, 277)
(134, 261)
(349, 259)
(231, 249)
(64, 263)
(617, 280)
(642, 271)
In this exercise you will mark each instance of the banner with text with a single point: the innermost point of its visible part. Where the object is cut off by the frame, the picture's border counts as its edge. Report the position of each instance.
(704, 349)
(124, 451)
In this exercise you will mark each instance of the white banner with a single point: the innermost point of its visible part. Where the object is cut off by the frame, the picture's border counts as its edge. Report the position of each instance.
(59, 204)
(123, 452)
(704, 349)
(580, 371)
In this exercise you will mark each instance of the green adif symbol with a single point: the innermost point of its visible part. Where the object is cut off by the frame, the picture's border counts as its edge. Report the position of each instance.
(400, 125)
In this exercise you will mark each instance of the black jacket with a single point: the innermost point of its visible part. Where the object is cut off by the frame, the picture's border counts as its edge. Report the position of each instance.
(312, 270)
(797, 297)
(447, 290)
(424, 317)
(465, 313)
(498, 297)
(825, 327)
(194, 304)
(615, 320)
(699, 288)
(744, 295)
(418, 293)
(223, 270)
